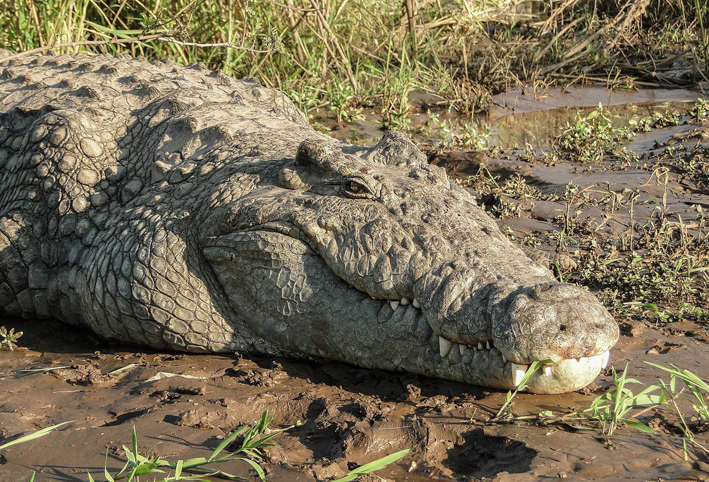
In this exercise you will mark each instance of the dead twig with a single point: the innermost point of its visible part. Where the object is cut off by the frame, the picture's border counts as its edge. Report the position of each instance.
(84, 43)
(561, 33)
(343, 60)
(411, 15)
(226, 45)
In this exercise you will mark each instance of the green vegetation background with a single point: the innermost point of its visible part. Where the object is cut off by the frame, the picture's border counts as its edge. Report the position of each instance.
(347, 55)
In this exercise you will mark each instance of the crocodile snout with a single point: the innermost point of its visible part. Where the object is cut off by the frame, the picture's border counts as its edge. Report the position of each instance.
(554, 321)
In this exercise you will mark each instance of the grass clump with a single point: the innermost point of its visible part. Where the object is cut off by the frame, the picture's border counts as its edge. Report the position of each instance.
(615, 406)
(620, 406)
(592, 136)
(250, 451)
(608, 411)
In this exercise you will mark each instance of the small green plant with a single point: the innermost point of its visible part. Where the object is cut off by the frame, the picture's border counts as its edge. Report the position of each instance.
(592, 136)
(619, 405)
(8, 338)
(656, 120)
(255, 438)
(343, 101)
(700, 109)
(505, 412)
(698, 388)
(615, 406)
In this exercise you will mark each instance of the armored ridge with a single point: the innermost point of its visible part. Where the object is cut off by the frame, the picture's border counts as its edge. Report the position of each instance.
(178, 208)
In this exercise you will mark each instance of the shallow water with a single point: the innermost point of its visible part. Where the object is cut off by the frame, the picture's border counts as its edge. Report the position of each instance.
(520, 117)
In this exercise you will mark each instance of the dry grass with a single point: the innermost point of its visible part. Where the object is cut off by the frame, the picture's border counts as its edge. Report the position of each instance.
(350, 54)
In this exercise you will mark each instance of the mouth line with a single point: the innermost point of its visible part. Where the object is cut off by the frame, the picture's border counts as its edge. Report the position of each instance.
(487, 349)
(490, 353)
(480, 348)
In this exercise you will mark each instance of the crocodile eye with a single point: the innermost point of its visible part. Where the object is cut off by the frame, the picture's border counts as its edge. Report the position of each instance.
(355, 189)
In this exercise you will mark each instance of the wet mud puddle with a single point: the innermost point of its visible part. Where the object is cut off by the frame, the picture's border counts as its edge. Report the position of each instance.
(183, 405)
(515, 118)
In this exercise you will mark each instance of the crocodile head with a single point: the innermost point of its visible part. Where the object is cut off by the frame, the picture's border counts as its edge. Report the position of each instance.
(373, 257)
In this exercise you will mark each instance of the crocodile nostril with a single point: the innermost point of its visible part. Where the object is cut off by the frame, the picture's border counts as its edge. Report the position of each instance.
(562, 328)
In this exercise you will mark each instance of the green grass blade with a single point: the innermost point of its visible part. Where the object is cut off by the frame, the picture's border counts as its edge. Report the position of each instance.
(261, 442)
(687, 376)
(34, 435)
(42, 370)
(224, 443)
(374, 466)
(256, 467)
(105, 469)
(637, 425)
(533, 368)
(130, 456)
(190, 463)
(134, 440)
(122, 369)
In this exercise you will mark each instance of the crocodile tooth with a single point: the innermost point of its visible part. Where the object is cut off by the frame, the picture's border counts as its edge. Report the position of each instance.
(518, 372)
(462, 349)
(405, 301)
(504, 359)
(444, 346)
(605, 357)
(480, 346)
(547, 370)
(394, 304)
(416, 303)
(487, 345)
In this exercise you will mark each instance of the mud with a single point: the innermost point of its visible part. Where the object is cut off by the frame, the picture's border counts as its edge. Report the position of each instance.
(183, 405)
(350, 416)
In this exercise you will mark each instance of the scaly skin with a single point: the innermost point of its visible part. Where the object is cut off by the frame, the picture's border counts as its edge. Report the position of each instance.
(177, 208)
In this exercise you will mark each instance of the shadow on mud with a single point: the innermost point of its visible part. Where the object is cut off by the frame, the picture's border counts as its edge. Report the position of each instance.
(52, 336)
(480, 455)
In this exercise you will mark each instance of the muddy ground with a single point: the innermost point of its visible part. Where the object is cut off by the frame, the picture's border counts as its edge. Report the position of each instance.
(183, 405)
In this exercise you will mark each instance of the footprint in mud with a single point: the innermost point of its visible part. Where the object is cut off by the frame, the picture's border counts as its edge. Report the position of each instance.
(480, 455)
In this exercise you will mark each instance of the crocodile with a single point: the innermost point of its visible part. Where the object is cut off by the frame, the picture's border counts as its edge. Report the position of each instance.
(177, 208)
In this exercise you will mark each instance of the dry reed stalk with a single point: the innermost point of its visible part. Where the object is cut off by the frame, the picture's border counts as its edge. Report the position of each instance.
(343, 60)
